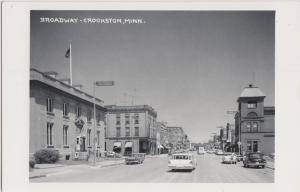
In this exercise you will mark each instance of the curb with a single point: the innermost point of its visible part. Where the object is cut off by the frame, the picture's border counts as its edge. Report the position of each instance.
(37, 176)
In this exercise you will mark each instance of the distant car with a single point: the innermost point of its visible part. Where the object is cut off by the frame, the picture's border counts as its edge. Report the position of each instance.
(110, 154)
(219, 152)
(137, 158)
(229, 158)
(182, 161)
(254, 159)
(201, 151)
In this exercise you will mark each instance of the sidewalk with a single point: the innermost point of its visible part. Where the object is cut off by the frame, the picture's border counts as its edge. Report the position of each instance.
(44, 170)
(270, 163)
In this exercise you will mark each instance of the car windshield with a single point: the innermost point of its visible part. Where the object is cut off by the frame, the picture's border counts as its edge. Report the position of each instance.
(183, 157)
(255, 155)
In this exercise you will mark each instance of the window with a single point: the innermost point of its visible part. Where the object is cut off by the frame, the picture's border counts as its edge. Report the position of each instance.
(127, 120)
(252, 146)
(252, 105)
(98, 138)
(118, 119)
(78, 112)
(89, 137)
(65, 135)
(89, 116)
(49, 105)
(49, 134)
(127, 131)
(136, 118)
(254, 127)
(136, 131)
(118, 133)
(248, 127)
(66, 109)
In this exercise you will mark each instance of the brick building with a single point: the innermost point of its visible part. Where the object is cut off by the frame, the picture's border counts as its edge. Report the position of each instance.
(61, 117)
(254, 123)
(131, 129)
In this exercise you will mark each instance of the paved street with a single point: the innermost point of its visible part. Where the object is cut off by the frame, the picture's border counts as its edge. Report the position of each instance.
(154, 169)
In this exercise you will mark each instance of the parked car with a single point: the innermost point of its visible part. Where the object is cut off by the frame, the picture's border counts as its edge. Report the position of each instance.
(229, 158)
(137, 158)
(254, 159)
(110, 154)
(182, 161)
(219, 152)
(239, 157)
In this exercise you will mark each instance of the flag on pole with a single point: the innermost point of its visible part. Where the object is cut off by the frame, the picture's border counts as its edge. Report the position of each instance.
(67, 55)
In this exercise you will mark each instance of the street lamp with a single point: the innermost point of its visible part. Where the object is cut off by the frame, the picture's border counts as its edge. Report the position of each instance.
(98, 83)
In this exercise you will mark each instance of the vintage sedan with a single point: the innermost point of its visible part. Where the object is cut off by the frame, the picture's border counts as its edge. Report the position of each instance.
(135, 158)
(182, 161)
(229, 158)
(254, 159)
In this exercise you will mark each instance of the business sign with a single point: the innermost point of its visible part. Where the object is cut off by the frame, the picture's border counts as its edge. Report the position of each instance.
(105, 83)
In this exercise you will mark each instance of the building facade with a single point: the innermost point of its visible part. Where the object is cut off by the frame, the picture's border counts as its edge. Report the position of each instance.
(176, 137)
(254, 123)
(131, 129)
(62, 117)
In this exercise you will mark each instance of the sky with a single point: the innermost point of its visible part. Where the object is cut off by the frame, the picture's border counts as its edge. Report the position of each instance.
(190, 66)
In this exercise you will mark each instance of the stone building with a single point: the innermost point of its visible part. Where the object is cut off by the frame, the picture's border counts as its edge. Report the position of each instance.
(62, 117)
(254, 122)
(131, 129)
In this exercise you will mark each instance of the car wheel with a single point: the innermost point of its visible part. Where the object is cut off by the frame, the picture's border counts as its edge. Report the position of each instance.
(263, 166)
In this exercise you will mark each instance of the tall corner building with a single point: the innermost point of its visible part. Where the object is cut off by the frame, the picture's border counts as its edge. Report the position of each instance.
(254, 122)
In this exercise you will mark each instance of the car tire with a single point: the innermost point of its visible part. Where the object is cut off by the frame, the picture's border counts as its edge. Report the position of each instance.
(263, 166)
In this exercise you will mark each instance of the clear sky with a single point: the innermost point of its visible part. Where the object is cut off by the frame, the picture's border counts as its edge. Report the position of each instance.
(190, 66)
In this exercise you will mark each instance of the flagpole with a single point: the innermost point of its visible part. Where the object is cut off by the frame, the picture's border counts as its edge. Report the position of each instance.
(71, 79)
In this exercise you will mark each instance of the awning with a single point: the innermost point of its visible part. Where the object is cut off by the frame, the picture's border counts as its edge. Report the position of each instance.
(128, 144)
(117, 144)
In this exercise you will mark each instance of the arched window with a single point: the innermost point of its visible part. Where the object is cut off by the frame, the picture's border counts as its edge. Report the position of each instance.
(252, 114)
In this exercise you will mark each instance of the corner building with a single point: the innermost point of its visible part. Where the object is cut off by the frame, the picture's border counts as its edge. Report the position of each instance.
(255, 123)
(62, 117)
(131, 129)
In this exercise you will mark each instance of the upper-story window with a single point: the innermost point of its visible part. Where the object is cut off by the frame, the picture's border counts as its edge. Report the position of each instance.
(254, 127)
(252, 105)
(89, 116)
(136, 131)
(127, 119)
(118, 119)
(118, 133)
(248, 127)
(127, 131)
(49, 105)
(66, 109)
(78, 111)
(136, 118)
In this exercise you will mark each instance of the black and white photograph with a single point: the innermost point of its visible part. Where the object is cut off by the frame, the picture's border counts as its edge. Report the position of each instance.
(156, 96)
